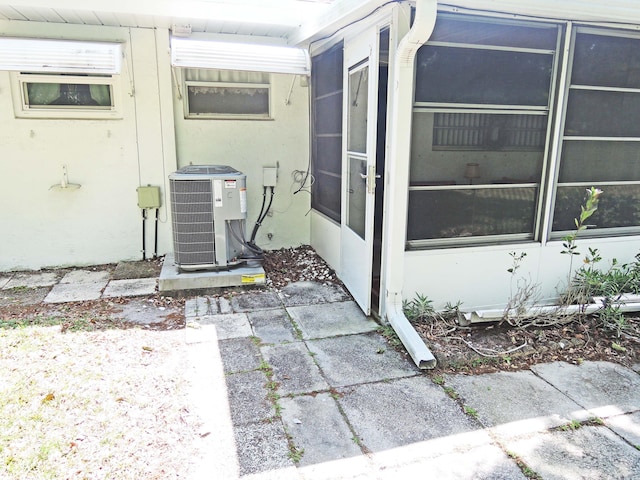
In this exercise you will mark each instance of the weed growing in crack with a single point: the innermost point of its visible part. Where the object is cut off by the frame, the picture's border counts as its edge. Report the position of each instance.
(524, 468)
(390, 335)
(472, 412)
(451, 393)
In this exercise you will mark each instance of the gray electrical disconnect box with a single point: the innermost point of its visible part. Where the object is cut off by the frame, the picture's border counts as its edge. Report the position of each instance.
(209, 211)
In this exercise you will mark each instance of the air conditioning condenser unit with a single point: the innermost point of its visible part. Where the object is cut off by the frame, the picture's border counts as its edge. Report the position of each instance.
(209, 212)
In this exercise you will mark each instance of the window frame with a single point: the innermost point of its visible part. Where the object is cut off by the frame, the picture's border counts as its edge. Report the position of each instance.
(506, 109)
(226, 116)
(23, 109)
(592, 231)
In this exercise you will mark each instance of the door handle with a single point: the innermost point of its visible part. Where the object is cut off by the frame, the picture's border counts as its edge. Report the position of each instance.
(371, 177)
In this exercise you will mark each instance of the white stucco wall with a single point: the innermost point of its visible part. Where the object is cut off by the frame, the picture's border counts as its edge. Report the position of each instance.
(325, 239)
(250, 145)
(100, 222)
(478, 275)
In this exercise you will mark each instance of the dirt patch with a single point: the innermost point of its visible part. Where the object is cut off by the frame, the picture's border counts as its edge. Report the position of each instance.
(138, 269)
(21, 296)
(490, 347)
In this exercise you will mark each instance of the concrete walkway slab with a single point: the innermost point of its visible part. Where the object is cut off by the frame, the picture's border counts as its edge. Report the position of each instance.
(250, 302)
(312, 293)
(583, 454)
(233, 325)
(86, 276)
(201, 306)
(248, 398)
(4, 279)
(272, 326)
(263, 447)
(23, 295)
(401, 412)
(239, 355)
(627, 426)
(479, 463)
(515, 402)
(130, 287)
(294, 369)
(331, 319)
(75, 292)
(355, 359)
(31, 280)
(318, 427)
(604, 388)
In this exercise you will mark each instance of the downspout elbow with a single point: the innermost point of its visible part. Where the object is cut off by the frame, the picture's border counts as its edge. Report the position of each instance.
(418, 351)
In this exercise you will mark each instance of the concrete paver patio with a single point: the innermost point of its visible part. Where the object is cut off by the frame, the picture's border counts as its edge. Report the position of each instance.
(299, 385)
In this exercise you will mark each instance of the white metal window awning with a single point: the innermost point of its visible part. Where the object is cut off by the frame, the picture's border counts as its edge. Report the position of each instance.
(59, 56)
(190, 53)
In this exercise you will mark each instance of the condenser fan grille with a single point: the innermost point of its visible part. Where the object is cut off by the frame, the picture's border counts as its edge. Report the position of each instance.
(193, 226)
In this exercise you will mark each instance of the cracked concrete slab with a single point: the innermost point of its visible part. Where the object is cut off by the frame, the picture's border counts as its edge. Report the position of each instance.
(272, 326)
(239, 355)
(401, 412)
(312, 293)
(294, 368)
(331, 319)
(133, 287)
(86, 276)
(249, 302)
(4, 279)
(31, 280)
(355, 359)
(318, 427)
(201, 306)
(233, 325)
(604, 388)
(75, 292)
(588, 453)
(513, 403)
(627, 426)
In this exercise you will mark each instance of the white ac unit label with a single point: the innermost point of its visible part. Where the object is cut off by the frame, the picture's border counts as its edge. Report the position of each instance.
(230, 183)
(217, 192)
(243, 200)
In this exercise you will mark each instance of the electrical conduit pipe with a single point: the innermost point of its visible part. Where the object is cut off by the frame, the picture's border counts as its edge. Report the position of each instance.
(399, 156)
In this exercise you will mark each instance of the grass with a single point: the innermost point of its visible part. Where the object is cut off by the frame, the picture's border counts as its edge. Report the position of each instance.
(87, 404)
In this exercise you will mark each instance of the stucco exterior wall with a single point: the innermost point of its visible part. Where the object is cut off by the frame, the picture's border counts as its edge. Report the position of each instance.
(100, 222)
(478, 275)
(250, 145)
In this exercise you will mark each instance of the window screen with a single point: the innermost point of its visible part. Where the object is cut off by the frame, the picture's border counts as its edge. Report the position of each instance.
(326, 135)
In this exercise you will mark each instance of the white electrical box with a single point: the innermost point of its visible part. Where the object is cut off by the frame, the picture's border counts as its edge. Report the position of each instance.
(270, 176)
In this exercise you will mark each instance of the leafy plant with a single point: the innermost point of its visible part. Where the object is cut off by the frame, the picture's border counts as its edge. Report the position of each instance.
(418, 308)
(586, 211)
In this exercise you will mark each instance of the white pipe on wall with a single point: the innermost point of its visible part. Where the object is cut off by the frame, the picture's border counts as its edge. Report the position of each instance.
(397, 171)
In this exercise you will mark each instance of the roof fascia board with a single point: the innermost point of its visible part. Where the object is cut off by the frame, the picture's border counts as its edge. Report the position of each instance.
(340, 14)
(612, 11)
(261, 11)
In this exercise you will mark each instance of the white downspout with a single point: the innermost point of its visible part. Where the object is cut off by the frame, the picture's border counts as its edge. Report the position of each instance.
(398, 158)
